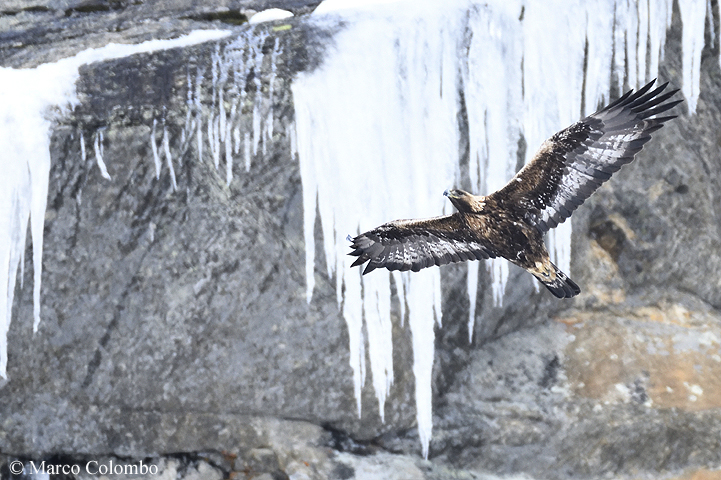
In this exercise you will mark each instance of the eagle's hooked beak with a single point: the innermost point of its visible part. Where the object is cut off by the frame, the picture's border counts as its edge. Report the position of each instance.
(464, 201)
(452, 193)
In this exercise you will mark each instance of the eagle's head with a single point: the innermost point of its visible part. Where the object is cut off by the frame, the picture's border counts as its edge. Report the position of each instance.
(464, 201)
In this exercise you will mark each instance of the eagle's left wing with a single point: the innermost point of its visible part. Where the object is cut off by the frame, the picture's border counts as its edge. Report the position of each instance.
(416, 244)
(574, 162)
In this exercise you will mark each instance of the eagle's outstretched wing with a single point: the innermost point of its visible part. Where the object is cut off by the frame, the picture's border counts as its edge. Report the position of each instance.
(416, 244)
(574, 162)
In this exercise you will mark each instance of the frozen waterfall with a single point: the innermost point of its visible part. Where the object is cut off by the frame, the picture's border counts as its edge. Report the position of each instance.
(377, 132)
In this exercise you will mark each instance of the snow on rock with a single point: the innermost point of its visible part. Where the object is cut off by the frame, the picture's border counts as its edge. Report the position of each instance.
(26, 98)
(270, 15)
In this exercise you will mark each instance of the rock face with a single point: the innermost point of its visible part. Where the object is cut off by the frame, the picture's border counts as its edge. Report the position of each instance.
(174, 308)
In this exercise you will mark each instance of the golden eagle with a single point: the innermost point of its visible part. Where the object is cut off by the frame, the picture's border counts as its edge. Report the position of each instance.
(511, 222)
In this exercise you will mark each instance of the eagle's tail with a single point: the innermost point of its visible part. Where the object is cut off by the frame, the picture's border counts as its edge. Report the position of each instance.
(561, 286)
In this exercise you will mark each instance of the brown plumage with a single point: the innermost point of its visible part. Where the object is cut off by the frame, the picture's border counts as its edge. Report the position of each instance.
(511, 222)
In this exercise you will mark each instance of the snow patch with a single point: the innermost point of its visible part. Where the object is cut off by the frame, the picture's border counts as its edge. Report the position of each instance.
(270, 15)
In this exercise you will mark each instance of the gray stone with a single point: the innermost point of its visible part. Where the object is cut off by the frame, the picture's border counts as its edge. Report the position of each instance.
(175, 322)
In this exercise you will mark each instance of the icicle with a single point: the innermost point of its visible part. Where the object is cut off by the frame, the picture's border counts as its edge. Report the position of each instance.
(168, 157)
(98, 146)
(599, 38)
(712, 26)
(376, 306)
(83, 153)
(642, 45)
(39, 177)
(660, 13)
(352, 309)
(256, 125)
(630, 36)
(154, 148)
(214, 139)
(236, 140)
(693, 15)
(15, 209)
(419, 303)
(472, 296)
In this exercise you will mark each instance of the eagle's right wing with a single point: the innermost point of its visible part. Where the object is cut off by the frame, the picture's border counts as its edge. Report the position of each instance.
(416, 244)
(574, 162)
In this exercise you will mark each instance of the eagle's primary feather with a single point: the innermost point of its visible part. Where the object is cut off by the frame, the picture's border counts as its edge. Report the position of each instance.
(511, 222)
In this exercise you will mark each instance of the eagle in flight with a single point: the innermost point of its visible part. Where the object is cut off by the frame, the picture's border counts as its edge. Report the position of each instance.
(512, 221)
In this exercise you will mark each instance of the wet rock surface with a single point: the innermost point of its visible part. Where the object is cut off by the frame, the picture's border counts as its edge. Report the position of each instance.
(175, 324)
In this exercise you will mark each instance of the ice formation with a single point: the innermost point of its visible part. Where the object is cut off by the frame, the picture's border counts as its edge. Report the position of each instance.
(377, 132)
(26, 97)
(236, 69)
(98, 147)
(28, 94)
(693, 16)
